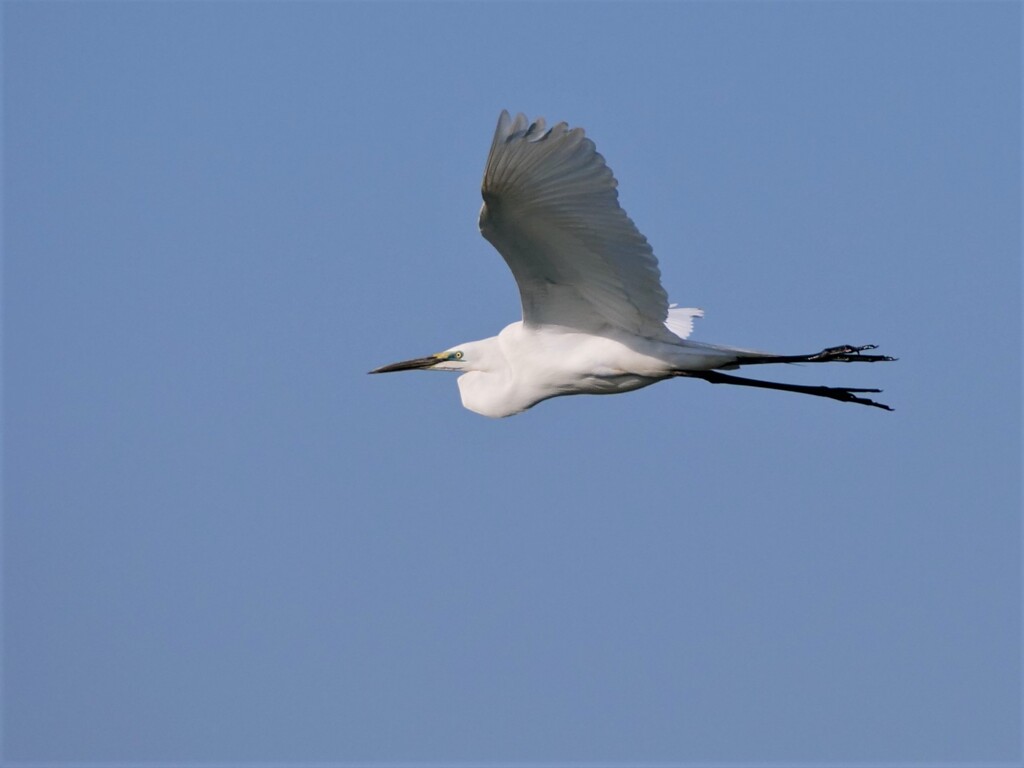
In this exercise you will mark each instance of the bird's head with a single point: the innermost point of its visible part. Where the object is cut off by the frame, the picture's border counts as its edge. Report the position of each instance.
(454, 359)
(486, 384)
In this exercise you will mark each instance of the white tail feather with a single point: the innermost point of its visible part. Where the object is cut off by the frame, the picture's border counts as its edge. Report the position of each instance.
(680, 320)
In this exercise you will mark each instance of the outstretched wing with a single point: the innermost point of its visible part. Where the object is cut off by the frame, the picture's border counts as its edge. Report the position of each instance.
(552, 211)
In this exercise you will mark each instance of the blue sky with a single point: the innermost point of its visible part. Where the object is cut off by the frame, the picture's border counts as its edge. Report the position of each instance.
(223, 541)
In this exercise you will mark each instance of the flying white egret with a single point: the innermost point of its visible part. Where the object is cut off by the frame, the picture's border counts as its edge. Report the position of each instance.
(595, 317)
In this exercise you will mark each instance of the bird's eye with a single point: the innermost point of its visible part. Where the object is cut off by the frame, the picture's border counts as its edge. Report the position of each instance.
(458, 355)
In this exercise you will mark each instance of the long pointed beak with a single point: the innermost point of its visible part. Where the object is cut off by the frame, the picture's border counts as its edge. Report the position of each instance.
(409, 365)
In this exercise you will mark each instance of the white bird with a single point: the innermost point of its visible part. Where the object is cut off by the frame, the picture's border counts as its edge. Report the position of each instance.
(596, 319)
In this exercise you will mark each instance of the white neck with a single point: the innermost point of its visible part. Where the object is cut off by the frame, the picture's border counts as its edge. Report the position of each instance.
(491, 388)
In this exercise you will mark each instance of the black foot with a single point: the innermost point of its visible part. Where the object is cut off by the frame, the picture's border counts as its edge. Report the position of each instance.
(849, 354)
(844, 394)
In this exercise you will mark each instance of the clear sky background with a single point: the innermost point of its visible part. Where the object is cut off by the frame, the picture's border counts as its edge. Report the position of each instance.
(223, 541)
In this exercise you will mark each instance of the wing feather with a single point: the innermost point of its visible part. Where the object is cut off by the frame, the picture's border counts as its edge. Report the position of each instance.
(551, 209)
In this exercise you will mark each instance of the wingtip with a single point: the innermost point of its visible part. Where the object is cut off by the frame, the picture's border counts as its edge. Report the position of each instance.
(504, 119)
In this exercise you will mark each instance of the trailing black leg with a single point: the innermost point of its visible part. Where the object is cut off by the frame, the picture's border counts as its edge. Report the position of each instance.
(842, 354)
(843, 394)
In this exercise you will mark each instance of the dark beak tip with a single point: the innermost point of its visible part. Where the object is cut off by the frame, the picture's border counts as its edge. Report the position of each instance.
(407, 365)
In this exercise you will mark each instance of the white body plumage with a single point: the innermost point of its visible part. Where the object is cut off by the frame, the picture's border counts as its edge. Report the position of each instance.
(522, 366)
